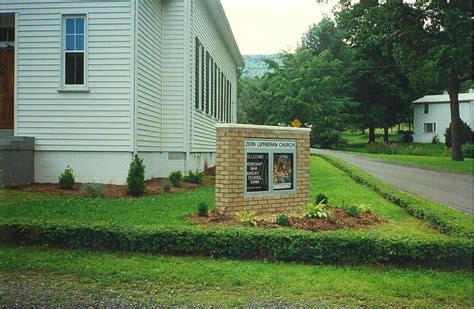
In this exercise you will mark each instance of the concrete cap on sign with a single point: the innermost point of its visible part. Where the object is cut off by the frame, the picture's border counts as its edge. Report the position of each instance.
(253, 126)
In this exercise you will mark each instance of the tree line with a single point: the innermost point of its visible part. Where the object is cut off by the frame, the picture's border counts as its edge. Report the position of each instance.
(362, 69)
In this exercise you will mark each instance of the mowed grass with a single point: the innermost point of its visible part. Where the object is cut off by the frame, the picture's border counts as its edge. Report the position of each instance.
(39, 276)
(174, 209)
(436, 156)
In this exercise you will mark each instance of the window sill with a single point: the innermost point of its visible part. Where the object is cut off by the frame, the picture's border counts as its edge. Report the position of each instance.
(80, 90)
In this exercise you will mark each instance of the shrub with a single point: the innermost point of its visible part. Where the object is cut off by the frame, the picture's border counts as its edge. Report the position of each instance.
(355, 210)
(282, 220)
(466, 135)
(196, 177)
(166, 186)
(202, 210)
(322, 198)
(327, 133)
(93, 190)
(136, 177)
(468, 150)
(395, 149)
(175, 178)
(342, 247)
(312, 210)
(67, 179)
(435, 139)
(247, 217)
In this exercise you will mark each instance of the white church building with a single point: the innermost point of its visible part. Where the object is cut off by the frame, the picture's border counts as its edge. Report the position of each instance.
(432, 115)
(96, 81)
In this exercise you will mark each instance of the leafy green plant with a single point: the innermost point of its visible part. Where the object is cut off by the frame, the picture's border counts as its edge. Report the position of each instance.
(466, 135)
(176, 178)
(192, 177)
(468, 150)
(246, 217)
(352, 211)
(282, 220)
(136, 177)
(202, 210)
(167, 186)
(435, 139)
(67, 179)
(93, 190)
(322, 198)
(312, 210)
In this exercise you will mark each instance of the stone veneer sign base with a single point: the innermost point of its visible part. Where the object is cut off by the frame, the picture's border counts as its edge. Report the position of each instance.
(263, 169)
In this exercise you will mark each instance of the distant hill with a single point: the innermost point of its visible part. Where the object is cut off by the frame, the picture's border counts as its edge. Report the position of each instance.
(255, 64)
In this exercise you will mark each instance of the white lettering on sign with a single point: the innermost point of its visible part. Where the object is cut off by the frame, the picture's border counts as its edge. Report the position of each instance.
(275, 144)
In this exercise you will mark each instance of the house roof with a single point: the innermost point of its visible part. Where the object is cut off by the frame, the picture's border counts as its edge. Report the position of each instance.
(444, 98)
(223, 25)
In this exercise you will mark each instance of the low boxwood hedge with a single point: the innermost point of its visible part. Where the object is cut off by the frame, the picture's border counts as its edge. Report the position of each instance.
(442, 218)
(341, 247)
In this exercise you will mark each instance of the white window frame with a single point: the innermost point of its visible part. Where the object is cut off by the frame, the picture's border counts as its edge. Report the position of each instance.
(433, 127)
(63, 86)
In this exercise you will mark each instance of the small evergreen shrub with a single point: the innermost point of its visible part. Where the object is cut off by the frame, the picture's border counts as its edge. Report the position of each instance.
(94, 190)
(167, 186)
(202, 210)
(282, 220)
(407, 138)
(176, 178)
(196, 177)
(67, 179)
(246, 217)
(322, 198)
(466, 135)
(136, 177)
(435, 139)
(352, 211)
(312, 210)
(468, 150)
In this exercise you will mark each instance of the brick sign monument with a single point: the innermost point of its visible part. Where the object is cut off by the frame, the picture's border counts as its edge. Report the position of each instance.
(264, 169)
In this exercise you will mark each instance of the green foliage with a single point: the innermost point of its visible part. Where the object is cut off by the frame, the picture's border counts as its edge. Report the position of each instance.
(322, 198)
(313, 210)
(247, 217)
(202, 209)
(93, 190)
(136, 177)
(396, 149)
(67, 179)
(466, 135)
(194, 177)
(282, 220)
(435, 139)
(176, 178)
(355, 210)
(407, 138)
(167, 186)
(440, 217)
(256, 65)
(236, 243)
(468, 150)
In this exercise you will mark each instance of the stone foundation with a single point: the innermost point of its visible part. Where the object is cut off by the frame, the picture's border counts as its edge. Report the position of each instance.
(231, 195)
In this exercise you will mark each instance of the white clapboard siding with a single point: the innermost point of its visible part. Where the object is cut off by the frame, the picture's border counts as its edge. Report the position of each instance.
(100, 120)
(149, 75)
(203, 134)
(174, 76)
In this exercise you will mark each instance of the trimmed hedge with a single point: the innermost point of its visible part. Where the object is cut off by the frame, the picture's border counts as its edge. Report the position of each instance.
(341, 247)
(442, 218)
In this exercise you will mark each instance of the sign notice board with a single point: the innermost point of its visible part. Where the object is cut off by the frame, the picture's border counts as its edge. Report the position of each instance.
(270, 166)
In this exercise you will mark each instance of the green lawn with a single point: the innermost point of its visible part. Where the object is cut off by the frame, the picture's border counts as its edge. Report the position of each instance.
(173, 209)
(39, 276)
(435, 157)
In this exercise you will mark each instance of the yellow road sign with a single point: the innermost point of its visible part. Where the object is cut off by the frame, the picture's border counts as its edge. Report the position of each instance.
(296, 123)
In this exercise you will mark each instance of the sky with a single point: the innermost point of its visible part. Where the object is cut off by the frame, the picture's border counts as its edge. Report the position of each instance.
(272, 26)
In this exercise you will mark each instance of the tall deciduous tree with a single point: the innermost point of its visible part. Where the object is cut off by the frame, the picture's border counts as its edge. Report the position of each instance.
(433, 41)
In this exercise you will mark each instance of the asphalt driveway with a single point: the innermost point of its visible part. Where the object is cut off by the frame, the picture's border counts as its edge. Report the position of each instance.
(451, 189)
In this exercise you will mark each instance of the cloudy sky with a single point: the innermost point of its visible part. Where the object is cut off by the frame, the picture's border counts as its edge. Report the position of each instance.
(272, 26)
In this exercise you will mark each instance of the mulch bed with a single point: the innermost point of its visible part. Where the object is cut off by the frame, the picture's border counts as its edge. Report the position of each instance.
(153, 187)
(337, 221)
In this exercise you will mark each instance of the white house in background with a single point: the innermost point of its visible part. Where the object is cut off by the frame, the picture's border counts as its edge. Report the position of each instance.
(96, 81)
(433, 115)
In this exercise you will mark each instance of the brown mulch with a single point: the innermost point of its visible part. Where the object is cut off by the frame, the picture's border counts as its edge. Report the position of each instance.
(338, 220)
(153, 187)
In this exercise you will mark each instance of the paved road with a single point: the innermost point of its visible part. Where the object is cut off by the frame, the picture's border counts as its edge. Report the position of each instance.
(451, 189)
